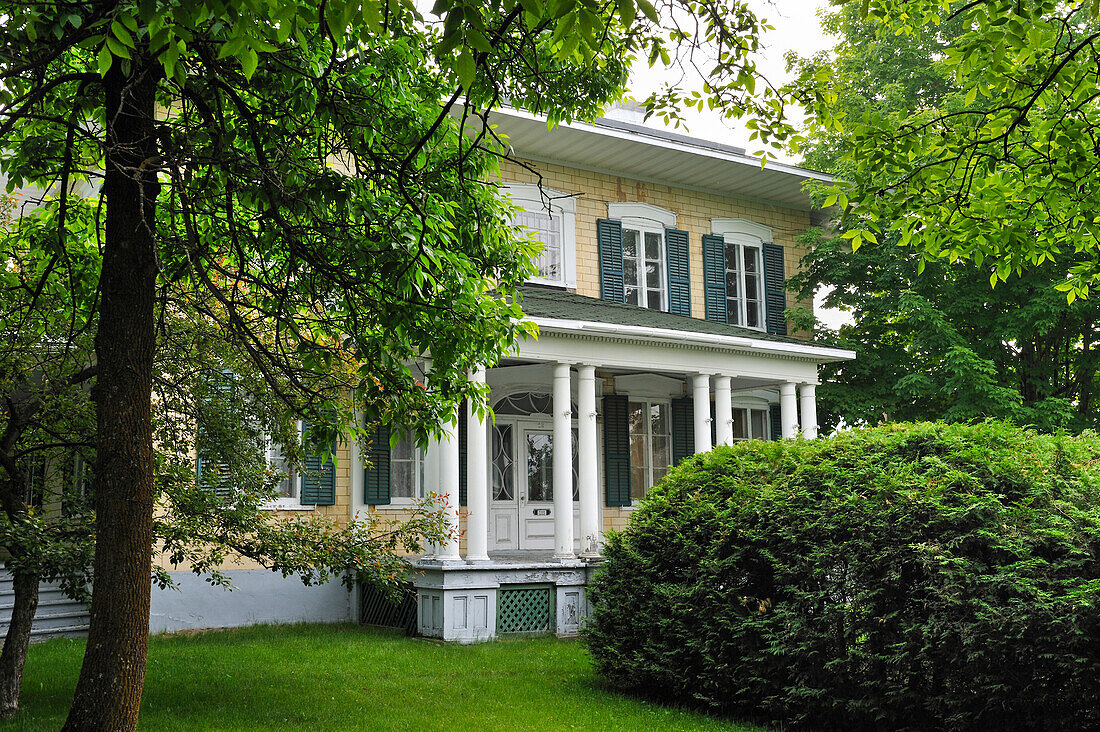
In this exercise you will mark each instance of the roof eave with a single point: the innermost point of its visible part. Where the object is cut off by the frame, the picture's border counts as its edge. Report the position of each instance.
(740, 344)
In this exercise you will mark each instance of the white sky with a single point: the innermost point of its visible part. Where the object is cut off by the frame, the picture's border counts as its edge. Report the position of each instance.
(796, 27)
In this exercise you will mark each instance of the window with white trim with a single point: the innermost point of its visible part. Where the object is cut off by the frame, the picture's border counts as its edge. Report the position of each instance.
(650, 429)
(644, 267)
(744, 282)
(750, 424)
(406, 468)
(550, 218)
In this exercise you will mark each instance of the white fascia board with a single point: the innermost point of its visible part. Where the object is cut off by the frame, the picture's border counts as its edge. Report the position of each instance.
(676, 145)
(643, 334)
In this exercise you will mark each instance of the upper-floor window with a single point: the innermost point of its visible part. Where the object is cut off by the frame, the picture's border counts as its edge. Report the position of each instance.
(744, 276)
(744, 281)
(644, 267)
(644, 258)
(549, 217)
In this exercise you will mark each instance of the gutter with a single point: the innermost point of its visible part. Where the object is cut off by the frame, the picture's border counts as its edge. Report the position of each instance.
(821, 354)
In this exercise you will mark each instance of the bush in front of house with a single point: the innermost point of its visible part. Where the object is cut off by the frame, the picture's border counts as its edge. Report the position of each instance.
(907, 577)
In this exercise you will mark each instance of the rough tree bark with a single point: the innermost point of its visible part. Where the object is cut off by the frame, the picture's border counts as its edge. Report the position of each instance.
(108, 692)
(16, 641)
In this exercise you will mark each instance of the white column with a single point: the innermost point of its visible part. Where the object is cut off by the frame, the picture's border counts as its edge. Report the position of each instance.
(448, 487)
(700, 391)
(477, 481)
(723, 410)
(586, 462)
(788, 408)
(431, 483)
(563, 464)
(807, 396)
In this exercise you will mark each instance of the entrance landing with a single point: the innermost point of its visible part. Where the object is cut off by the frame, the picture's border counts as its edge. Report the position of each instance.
(513, 593)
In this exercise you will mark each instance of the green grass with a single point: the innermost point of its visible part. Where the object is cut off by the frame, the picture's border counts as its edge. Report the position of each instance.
(323, 677)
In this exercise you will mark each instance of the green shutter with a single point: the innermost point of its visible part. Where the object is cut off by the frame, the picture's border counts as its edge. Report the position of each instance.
(714, 277)
(376, 468)
(462, 457)
(212, 473)
(775, 416)
(215, 476)
(610, 236)
(713, 426)
(683, 429)
(679, 272)
(775, 292)
(616, 450)
(318, 477)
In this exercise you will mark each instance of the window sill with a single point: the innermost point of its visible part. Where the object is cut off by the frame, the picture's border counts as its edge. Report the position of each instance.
(285, 504)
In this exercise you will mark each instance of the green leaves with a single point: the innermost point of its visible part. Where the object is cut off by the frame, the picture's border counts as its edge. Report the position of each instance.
(833, 577)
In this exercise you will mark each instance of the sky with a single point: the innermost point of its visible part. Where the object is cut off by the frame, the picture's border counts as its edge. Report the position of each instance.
(796, 27)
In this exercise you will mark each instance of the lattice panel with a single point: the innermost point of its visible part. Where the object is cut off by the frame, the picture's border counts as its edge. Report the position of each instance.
(527, 609)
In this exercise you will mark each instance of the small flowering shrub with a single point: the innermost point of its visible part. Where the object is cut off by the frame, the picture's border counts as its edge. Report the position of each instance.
(908, 577)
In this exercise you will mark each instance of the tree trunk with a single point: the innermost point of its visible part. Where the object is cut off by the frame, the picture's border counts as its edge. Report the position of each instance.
(18, 638)
(108, 692)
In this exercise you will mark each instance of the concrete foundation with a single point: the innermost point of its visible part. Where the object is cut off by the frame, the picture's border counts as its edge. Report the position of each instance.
(459, 602)
(260, 596)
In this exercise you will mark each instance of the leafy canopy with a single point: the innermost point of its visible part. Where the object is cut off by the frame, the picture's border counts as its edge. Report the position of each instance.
(1007, 178)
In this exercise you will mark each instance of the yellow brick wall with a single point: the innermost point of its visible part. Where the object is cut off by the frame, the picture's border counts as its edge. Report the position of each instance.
(694, 213)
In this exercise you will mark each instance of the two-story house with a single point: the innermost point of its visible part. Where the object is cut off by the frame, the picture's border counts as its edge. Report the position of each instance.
(660, 305)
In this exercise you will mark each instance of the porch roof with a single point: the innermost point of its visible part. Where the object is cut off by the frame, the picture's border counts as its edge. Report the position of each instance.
(553, 308)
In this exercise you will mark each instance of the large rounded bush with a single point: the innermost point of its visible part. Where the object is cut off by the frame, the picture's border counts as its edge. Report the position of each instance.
(905, 577)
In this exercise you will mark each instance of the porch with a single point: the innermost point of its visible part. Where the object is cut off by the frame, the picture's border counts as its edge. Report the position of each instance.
(585, 420)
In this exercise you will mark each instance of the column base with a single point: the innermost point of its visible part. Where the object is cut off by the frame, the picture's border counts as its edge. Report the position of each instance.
(478, 560)
(566, 560)
(443, 561)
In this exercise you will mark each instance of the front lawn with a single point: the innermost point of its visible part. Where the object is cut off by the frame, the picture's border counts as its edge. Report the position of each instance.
(321, 677)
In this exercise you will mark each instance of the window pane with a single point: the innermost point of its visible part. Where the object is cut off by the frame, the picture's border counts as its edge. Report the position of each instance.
(662, 456)
(659, 473)
(630, 272)
(653, 300)
(502, 463)
(759, 424)
(638, 451)
(540, 467)
(752, 259)
(637, 483)
(652, 276)
(632, 296)
(752, 314)
(733, 283)
(652, 246)
(630, 243)
(733, 311)
(658, 418)
(740, 428)
(636, 417)
(401, 479)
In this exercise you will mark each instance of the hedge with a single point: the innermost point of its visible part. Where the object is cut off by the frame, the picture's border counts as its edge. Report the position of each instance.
(908, 577)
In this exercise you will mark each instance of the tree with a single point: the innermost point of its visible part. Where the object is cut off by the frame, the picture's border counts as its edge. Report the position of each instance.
(942, 345)
(47, 439)
(1007, 177)
(287, 171)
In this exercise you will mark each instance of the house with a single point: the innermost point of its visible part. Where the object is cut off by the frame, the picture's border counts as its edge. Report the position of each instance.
(660, 304)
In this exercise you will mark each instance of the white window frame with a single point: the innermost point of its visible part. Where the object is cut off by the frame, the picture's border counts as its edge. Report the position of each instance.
(419, 460)
(739, 234)
(752, 404)
(645, 218)
(561, 206)
(292, 502)
(649, 402)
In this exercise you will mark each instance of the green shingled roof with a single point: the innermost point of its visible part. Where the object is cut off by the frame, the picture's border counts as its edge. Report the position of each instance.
(550, 302)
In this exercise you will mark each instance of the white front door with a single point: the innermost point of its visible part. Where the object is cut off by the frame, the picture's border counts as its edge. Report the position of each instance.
(522, 509)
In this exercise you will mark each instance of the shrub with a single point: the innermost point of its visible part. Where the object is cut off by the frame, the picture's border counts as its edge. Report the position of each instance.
(912, 577)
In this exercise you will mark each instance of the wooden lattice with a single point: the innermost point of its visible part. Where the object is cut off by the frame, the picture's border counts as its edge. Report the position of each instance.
(525, 609)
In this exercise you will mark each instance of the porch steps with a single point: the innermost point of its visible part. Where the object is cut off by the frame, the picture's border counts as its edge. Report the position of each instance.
(57, 616)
